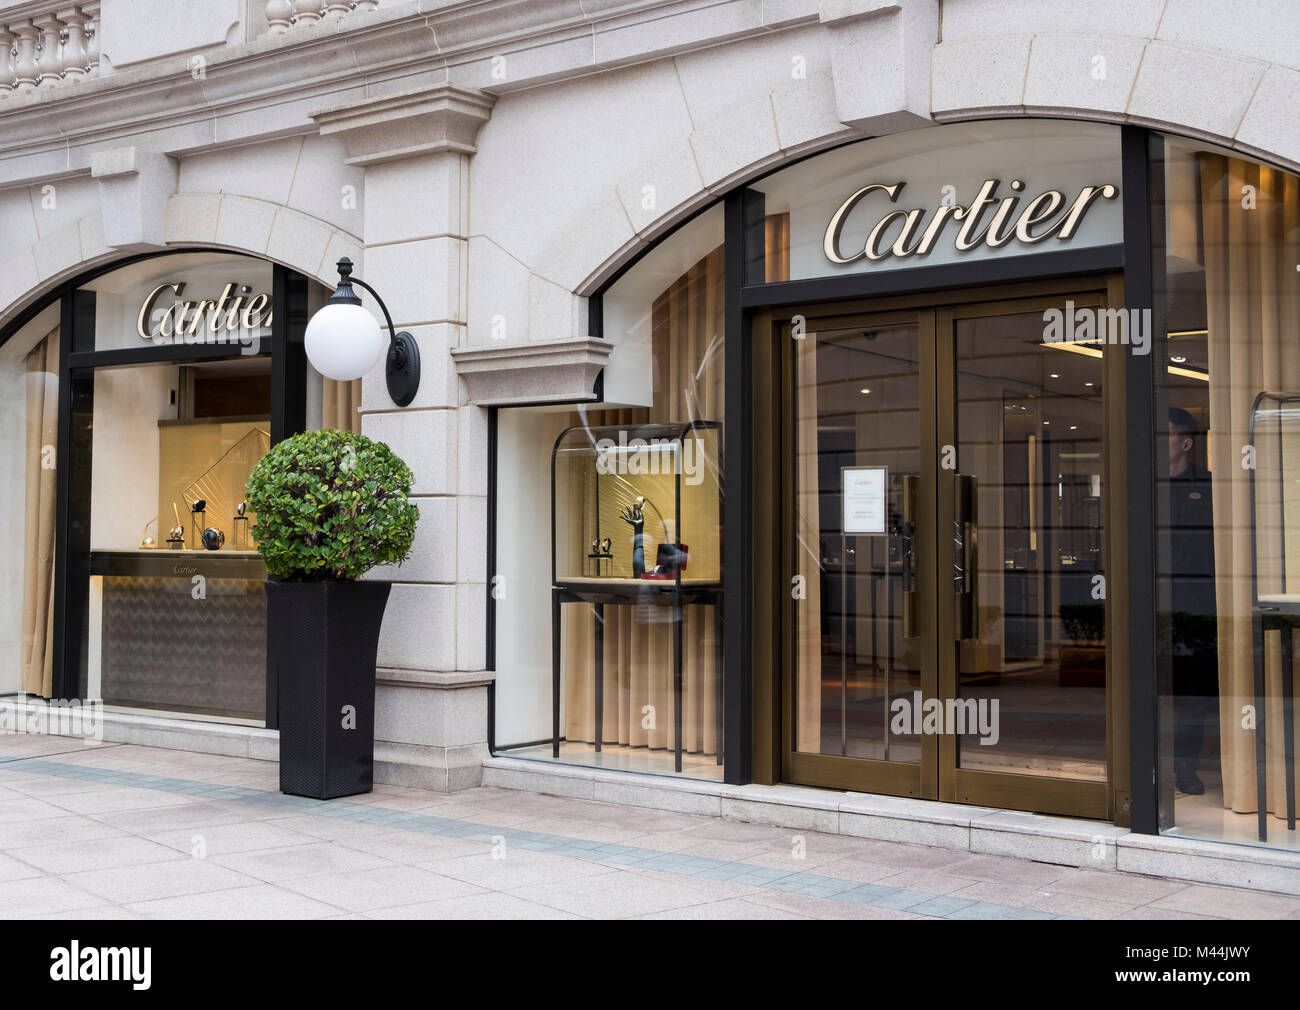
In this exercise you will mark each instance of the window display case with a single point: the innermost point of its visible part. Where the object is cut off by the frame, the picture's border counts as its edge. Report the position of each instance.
(636, 521)
(637, 503)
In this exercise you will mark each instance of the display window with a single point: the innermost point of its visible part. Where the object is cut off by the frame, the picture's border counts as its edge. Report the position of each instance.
(128, 530)
(1228, 514)
(609, 534)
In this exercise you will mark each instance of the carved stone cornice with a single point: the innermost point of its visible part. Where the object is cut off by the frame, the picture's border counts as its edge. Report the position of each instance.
(409, 124)
(264, 88)
(545, 371)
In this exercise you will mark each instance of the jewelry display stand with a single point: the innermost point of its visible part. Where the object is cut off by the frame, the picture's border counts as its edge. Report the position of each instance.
(632, 486)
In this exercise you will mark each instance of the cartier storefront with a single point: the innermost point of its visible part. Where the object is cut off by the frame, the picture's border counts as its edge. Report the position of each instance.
(949, 426)
(147, 392)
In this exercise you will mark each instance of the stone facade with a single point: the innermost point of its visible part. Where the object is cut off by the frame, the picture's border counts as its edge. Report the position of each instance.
(488, 166)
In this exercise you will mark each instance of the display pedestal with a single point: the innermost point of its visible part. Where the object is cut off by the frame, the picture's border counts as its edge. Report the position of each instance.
(599, 593)
(1282, 613)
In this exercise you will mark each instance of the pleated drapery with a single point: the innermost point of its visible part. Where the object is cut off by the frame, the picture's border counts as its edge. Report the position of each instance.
(38, 541)
(1253, 304)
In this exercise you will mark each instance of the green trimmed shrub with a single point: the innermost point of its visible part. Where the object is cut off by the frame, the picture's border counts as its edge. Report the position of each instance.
(330, 505)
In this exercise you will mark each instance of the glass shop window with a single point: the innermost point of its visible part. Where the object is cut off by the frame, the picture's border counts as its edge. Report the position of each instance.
(177, 604)
(1228, 476)
(609, 533)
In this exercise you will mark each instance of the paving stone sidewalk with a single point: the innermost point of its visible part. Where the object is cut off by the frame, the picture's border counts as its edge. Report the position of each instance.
(120, 831)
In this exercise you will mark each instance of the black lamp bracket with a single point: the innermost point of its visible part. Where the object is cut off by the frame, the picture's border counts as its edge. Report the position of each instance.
(402, 369)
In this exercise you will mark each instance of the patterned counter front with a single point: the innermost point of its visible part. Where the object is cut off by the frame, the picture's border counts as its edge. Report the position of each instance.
(182, 630)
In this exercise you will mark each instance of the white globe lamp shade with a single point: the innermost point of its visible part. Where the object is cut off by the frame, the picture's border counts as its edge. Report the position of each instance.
(343, 341)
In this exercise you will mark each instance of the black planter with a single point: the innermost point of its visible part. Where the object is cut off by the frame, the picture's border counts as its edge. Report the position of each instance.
(323, 640)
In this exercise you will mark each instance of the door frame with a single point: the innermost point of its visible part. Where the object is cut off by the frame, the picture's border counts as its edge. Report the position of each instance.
(938, 776)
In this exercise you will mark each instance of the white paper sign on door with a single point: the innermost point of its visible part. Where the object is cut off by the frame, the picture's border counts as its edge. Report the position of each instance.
(863, 492)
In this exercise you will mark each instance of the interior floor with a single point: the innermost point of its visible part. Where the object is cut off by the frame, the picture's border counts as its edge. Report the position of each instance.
(634, 759)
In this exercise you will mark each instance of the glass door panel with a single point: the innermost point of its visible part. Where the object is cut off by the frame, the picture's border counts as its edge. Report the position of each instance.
(857, 459)
(946, 556)
(1026, 674)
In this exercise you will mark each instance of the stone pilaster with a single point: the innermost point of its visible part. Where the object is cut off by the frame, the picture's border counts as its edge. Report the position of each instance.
(415, 147)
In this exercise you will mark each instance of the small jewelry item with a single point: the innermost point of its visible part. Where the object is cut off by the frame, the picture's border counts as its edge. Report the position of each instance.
(213, 538)
(241, 527)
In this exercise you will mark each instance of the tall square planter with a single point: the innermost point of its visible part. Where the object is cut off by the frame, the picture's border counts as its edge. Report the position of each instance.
(324, 638)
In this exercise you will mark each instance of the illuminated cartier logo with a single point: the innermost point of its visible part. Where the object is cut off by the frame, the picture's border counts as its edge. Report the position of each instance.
(204, 320)
(1042, 217)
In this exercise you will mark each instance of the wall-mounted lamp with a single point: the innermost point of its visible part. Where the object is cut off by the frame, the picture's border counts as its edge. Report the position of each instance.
(344, 340)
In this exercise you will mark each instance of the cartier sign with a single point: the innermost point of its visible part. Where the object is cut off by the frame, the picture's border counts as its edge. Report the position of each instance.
(991, 220)
(232, 317)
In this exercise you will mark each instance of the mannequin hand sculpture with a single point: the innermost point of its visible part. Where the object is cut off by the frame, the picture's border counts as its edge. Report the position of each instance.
(634, 516)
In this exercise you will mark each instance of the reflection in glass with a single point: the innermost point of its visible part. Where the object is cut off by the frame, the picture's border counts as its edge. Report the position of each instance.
(1228, 520)
(1032, 642)
(856, 395)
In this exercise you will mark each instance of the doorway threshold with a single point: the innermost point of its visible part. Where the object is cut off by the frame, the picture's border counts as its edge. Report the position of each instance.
(1087, 844)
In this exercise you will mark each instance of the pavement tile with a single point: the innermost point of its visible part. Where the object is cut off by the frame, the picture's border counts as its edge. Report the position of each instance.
(20, 811)
(725, 908)
(1126, 888)
(515, 868)
(17, 869)
(365, 890)
(827, 908)
(1229, 901)
(20, 899)
(486, 905)
(617, 895)
(95, 854)
(284, 863)
(258, 901)
(412, 847)
(125, 884)
(212, 840)
(52, 830)
(112, 799)
(99, 912)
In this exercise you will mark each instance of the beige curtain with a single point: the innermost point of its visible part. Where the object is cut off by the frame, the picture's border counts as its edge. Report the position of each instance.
(1253, 303)
(687, 328)
(340, 402)
(38, 541)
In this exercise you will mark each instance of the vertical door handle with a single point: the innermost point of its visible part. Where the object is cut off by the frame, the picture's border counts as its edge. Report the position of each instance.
(907, 555)
(965, 555)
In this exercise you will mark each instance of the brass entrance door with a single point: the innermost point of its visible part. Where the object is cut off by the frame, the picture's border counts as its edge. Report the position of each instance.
(946, 549)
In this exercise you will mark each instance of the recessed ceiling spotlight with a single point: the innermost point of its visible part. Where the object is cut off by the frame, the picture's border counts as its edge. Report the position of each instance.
(865, 391)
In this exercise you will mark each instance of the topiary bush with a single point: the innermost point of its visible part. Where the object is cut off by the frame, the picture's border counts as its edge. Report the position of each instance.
(330, 505)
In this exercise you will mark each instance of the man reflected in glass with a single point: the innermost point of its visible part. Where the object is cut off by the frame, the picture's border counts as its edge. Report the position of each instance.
(1195, 637)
